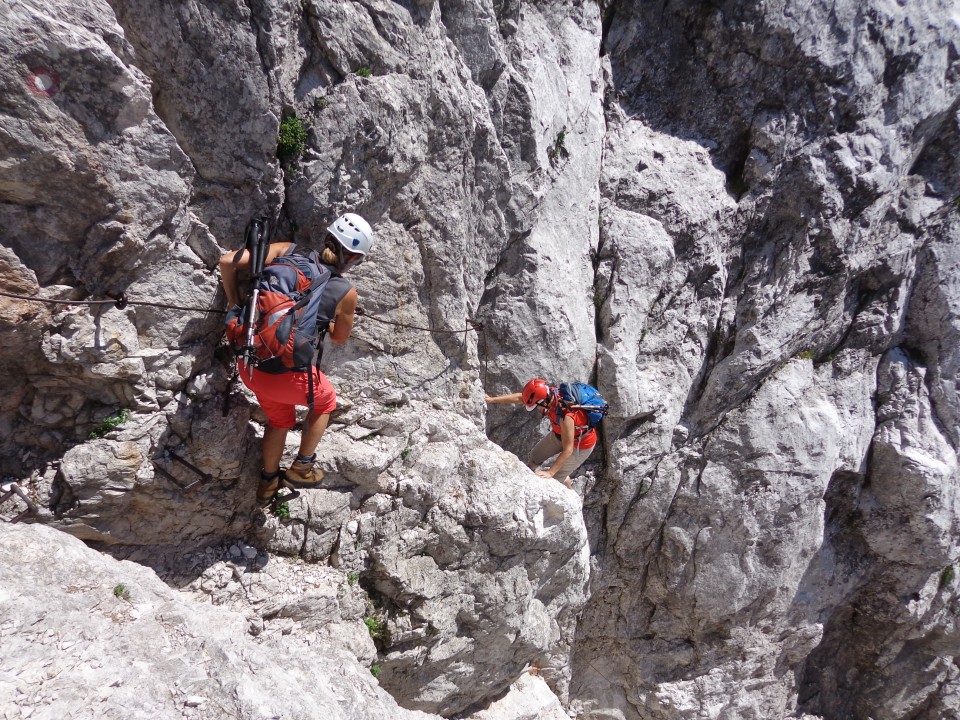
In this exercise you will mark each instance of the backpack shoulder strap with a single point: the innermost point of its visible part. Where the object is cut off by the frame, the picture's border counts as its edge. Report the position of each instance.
(295, 249)
(337, 287)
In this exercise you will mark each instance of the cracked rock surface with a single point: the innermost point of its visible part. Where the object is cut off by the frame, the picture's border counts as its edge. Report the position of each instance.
(738, 220)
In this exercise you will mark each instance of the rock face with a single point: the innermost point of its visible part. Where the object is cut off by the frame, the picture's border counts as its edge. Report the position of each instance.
(758, 519)
(110, 638)
(477, 568)
(738, 219)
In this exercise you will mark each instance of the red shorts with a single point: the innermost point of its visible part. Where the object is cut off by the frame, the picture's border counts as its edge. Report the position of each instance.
(279, 395)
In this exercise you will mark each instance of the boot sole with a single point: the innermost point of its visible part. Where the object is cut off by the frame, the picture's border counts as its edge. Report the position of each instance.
(302, 485)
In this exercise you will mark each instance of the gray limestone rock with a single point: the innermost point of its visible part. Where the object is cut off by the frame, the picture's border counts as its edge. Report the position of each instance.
(738, 219)
(110, 638)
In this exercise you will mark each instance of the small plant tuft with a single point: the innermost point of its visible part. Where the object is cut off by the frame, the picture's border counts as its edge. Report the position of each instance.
(376, 627)
(558, 151)
(352, 577)
(807, 355)
(320, 103)
(375, 669)
(946, 576)
(292, 140)
(282, 510)
(111, 423)
(121, 591)
(597, 299)
(364, 72)
(404, 453)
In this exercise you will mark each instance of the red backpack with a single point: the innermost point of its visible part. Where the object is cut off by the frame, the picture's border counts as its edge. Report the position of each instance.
(285, 333)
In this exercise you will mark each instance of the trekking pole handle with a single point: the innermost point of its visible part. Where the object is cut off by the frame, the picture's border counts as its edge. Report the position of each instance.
(264, 243)
(260, 230)
(256, 244)
(259, 254)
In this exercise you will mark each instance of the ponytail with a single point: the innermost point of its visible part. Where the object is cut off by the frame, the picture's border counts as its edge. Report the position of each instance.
(329, 257)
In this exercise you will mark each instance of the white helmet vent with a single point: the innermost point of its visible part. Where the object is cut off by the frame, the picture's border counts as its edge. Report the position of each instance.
(353, 232)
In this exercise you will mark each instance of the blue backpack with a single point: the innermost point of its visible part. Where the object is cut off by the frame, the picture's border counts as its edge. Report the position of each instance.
(580, 396)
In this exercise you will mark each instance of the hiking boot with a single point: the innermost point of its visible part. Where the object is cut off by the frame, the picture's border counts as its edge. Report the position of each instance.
(303, 475)
(267, 489)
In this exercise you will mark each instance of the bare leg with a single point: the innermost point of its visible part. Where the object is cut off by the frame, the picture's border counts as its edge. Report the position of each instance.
(274, 441)
(313, 433)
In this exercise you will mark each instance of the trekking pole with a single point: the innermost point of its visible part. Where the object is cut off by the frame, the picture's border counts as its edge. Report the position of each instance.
(257, 232)
(250, 245)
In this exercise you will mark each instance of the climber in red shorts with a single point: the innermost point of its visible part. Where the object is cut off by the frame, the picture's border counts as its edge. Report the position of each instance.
(346, 244)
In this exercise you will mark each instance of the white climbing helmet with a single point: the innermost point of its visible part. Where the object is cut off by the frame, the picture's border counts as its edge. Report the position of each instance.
(353, 232)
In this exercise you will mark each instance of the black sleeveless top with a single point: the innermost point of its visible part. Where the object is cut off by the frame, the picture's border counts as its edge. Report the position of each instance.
(337, 287)
(334, 291)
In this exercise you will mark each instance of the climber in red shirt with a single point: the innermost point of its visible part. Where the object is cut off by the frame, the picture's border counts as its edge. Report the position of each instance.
(571, 438)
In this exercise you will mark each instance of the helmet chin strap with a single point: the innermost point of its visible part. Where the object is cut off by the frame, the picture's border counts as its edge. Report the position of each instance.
(355, 259)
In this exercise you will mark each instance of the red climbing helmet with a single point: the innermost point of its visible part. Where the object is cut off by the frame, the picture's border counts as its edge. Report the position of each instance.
(534, 393)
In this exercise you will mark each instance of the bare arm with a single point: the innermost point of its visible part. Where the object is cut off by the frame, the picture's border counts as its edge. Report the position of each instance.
(568, 431)
(231, 264)
(509, 399)
(342, 324)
